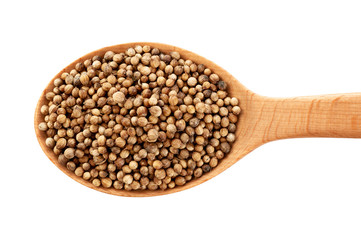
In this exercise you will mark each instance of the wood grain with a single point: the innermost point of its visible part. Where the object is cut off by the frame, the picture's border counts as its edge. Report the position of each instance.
(336, 115)
(263, 119)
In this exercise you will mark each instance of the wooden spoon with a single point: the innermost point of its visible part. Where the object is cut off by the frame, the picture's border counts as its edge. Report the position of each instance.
(263, 119)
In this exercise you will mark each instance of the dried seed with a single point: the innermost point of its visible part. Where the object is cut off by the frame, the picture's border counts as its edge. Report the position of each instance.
(139, 120)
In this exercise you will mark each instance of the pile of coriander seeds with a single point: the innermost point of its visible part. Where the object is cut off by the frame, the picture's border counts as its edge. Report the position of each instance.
(140, 119)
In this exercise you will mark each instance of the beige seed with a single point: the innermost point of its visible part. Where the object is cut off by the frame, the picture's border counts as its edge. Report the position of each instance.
(145, 71)
(69, 153)
(86, 176)
(106, 182)
(231, 137)
(84, 79)
(135, 185)
(43, 126)
(153, 101)
(214, 162)
(124, 153)
(175, 55)
(101, 140)
(192, 81)
(119, 97)
(133, 165)
(176, 143)
(160, 173)
(117, 185)
(61, 143)
(128, 179)
(196, 156)
(234, 101)
(198, 172)
(200, 107)
(89, 103)
(50, 142)
(142, 122)
(180, 181)
(173, 100)
(79, 171)
(178, 168)
(120, 142)
(155, 111)
(157, 164)
(153, 135)
(236, 110)
(96, 182)
(61, 118)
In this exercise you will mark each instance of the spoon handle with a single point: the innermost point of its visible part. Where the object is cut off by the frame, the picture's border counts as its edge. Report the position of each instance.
(334, 115)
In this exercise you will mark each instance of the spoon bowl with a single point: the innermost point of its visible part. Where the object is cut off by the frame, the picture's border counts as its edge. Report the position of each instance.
(263, 119)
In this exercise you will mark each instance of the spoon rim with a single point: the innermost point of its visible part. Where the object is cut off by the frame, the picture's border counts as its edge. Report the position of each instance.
(223, 164)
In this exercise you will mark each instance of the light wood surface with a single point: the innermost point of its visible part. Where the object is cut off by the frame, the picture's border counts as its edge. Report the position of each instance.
(263, 119)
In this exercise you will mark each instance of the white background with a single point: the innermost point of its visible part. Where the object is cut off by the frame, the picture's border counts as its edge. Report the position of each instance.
(289, 189)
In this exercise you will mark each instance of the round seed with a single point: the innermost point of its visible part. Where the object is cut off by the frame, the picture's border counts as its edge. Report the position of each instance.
(141, 119)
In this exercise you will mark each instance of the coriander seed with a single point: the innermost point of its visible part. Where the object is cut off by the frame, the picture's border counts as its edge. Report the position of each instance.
(139, 119)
